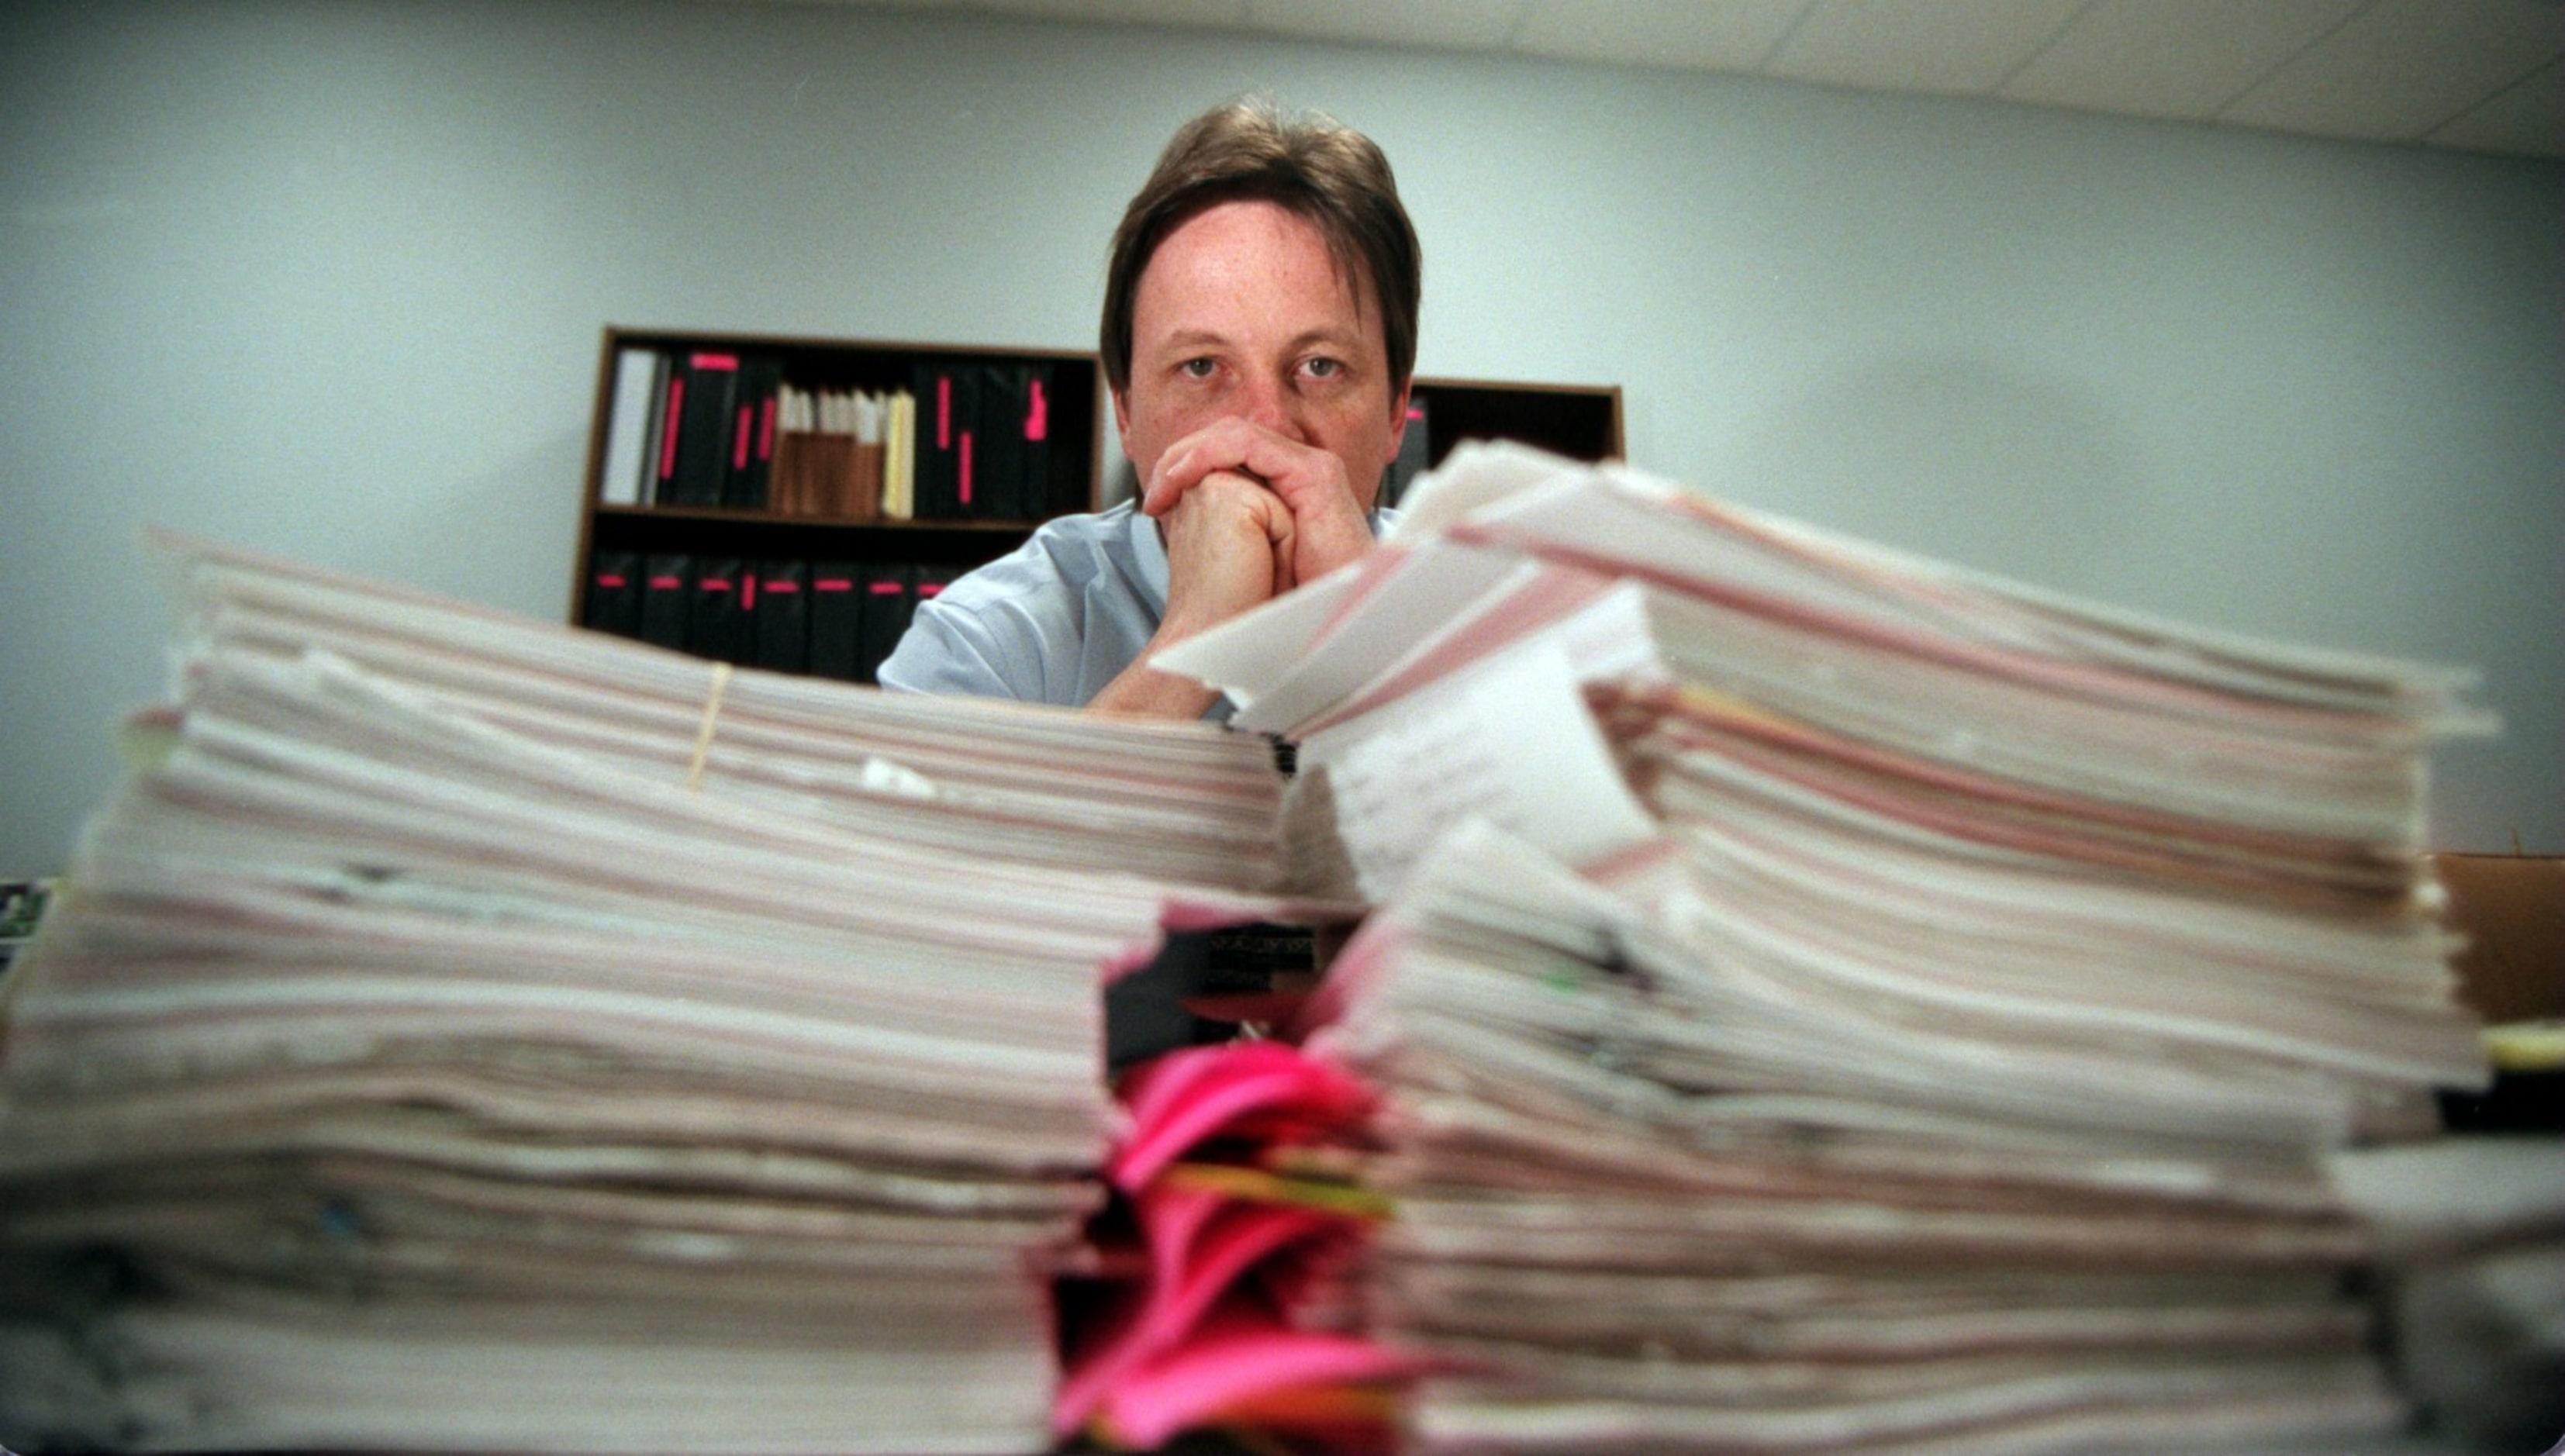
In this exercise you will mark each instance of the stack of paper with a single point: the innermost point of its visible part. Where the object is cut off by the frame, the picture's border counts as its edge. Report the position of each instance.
(457, 1035)
(983, 779)
(1824, 998)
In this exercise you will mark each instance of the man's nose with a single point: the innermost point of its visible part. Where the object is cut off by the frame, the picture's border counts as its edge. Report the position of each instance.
(1274, 404)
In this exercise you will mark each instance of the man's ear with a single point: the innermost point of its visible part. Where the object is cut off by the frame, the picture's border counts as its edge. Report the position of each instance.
(1123, 419)
(1398, 418)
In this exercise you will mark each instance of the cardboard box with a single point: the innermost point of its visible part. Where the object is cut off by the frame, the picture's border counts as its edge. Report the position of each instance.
(2511, 908)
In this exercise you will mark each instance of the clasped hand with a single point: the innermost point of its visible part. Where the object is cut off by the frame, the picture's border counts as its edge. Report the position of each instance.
(1249, 513)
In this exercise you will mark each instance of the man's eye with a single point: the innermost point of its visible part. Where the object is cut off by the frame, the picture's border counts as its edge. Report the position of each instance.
(1197, 368)
(1323, 368)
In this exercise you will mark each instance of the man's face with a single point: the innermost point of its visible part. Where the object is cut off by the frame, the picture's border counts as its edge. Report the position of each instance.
(1242, 312)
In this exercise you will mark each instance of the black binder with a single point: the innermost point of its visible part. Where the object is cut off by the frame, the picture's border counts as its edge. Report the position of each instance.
(667, 587)
(836, 644)
(613, 600)
(783, 615)
(750, 469)
(888, 600)
(717, 624)
(948, 481)
(700, 396)
(1034, 426)
(1000, 444)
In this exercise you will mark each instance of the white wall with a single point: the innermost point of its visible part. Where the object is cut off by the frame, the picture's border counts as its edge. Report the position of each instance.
(327, 279)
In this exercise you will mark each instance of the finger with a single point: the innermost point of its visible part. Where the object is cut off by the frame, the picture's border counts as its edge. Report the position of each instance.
(1185, 464)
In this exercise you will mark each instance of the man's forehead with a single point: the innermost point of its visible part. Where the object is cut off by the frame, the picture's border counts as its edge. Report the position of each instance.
(1211, 240)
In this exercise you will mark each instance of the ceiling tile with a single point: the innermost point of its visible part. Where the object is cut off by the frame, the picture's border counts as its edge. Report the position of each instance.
(2474, 73)
(2527, 119)
(1711, 35)
(1462, 24)
(2403, 67)
(2172, 58)
(1958, 46)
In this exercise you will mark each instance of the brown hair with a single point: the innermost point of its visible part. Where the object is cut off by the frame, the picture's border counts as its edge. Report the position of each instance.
(1312, 166)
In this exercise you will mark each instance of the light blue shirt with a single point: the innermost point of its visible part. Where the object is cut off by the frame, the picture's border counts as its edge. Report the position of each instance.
(1052, 621)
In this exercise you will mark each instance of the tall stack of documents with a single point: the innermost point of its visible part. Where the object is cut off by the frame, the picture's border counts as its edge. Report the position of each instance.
(465, 1034)
(1823, 999)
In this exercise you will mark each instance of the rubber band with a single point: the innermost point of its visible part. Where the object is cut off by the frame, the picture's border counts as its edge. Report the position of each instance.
(704, 730)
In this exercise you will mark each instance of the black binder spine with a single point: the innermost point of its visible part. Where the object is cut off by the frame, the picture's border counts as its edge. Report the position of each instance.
(667, 587)
(613, 600)
(888, 600)
(747, 482)
(700, 398)
(716, 625)
(836, 620)
(783, 615)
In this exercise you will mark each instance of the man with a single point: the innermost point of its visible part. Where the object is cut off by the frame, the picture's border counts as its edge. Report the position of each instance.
(1259, 336)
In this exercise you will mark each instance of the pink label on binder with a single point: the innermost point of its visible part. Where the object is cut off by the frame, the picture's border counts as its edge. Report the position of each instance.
(787, 586)
(766, 431)
(885, 588)
(944, 412)
(715, 584)
(930, 588)
(668, 433)
(1038, 414)
(713, 361)
(748, 592)
(610, 579)
(832, 584)
(966, 468)
(666, 584)
(739, 444)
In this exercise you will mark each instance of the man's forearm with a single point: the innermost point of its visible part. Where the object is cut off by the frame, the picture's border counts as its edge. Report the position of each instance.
(1142, 691)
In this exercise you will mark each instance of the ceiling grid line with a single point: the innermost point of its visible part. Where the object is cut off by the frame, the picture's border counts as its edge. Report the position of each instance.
(2043, 48)
(2312, 43)
(2528, 78)
(1781, 42)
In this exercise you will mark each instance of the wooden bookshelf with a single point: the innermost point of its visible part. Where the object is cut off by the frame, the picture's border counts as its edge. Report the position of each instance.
(640, 505)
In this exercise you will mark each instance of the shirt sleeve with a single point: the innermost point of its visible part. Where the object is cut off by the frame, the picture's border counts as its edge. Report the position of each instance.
(950, 648)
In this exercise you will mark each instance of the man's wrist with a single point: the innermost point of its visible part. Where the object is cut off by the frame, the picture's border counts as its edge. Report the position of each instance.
(1144, 691)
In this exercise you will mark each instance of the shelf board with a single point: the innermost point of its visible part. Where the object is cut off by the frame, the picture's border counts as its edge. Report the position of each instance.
(821, 523)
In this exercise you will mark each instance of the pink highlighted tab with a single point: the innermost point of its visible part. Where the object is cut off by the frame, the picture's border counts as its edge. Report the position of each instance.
(1240, 1358)
(1201, 1245)
(1238, 1088)
(669, 433)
